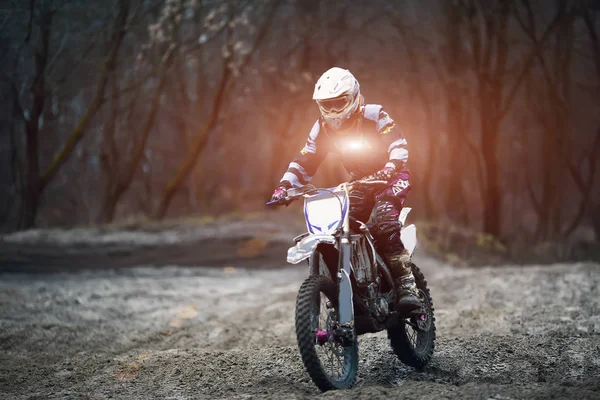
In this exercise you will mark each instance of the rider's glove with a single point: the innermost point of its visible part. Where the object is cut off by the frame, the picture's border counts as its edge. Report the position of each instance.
(280, 192)
(385, 174)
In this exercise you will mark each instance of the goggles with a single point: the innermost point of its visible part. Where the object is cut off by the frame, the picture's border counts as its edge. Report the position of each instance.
(336, 105)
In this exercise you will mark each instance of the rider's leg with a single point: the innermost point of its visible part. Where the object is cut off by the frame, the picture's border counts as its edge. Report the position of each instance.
(387, 233)
(361, 204)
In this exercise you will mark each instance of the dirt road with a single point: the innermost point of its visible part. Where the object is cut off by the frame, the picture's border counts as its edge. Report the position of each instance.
(194, 333)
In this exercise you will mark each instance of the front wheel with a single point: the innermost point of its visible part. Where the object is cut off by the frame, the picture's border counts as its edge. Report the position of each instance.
(331, 363)
(413, 340)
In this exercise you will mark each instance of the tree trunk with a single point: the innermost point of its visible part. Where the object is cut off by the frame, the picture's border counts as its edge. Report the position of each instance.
(32, 190)
(490, 65)
(596, 221)
(492, 216)
(125, 179)
(430, 163)
(197, 146)
(456, 206)
(548, 185)
(109, 155)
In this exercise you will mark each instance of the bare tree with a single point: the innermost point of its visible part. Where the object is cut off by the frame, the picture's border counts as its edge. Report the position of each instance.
(488, 27)
(122, 173)
(41, 18)
(224, 86)
(416, 63)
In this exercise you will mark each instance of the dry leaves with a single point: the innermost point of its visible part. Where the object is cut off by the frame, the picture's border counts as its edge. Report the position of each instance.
(252, 248)
(128, 372)
(228, 270)
(188, 312)
(176, 323)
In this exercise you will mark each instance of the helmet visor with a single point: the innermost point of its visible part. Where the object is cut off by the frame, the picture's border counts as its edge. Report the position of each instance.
(336, 105)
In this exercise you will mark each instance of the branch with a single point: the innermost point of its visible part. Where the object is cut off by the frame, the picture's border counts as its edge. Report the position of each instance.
(30, 21)
(76, 64)
(15, 92)
(202, 137)
(109, 66)
(592, 162)
(260, 36)
(535, 52)
(140, 146)
(5, 20)
(591, 27)
(224, 87)
(537, 205)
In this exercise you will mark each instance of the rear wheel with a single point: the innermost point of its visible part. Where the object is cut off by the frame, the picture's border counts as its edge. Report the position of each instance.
(413, 340)
(330, 363)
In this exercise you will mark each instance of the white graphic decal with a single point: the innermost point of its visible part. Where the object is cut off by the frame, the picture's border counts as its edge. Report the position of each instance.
(399, 186)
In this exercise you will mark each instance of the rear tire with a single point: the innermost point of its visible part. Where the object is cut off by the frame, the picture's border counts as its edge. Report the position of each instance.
(309, 307)
(414, 347)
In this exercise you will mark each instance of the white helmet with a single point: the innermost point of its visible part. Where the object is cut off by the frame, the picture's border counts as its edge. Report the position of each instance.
(337, 93)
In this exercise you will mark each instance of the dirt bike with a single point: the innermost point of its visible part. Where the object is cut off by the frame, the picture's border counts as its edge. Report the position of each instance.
(350, 290)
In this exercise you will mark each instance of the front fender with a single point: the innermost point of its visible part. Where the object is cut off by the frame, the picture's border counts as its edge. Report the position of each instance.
(305, 247)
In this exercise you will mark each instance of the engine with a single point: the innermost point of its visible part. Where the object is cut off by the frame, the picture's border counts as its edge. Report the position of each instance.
(365, 273)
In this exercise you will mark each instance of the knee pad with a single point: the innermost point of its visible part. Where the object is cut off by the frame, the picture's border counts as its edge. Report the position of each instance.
(360, 205)
(387, 227)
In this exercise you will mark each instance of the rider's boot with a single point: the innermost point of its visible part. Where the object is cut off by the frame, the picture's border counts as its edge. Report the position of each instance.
(407, 295)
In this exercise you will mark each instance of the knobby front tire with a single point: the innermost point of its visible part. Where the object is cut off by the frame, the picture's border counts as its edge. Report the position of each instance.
(330, 365)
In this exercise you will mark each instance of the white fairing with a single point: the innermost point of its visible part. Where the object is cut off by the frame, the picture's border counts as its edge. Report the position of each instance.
(403, 214)
(323, 212)
(409, 238)
(304, 248)
(408, 234)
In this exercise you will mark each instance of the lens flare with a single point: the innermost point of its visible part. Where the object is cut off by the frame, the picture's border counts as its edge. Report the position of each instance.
(354, 145)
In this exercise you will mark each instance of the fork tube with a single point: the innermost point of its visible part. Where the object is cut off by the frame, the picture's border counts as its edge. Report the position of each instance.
(345, 296)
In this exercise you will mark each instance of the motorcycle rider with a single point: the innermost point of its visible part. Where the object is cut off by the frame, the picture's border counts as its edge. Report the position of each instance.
(370, 145)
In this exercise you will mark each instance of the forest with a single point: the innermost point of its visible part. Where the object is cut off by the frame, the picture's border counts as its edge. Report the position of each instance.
(116, 109)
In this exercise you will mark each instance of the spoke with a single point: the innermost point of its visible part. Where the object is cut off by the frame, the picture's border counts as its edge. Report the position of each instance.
(331, 354)
(410, 332)
(331, 362)
(334, 370)
(323, 352)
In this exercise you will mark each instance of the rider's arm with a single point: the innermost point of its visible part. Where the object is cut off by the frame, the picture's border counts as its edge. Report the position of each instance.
(304, 166)
(394, 141)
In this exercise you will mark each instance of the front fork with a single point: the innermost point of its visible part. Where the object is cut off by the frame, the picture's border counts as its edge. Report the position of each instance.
(346, 308)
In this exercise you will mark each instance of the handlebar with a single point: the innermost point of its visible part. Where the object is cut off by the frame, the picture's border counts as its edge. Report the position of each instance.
(294, 193)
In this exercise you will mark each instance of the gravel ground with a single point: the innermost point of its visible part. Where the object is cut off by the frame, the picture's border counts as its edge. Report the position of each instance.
(198, 333)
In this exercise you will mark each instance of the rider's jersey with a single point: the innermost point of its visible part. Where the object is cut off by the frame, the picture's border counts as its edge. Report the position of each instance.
(364, 149)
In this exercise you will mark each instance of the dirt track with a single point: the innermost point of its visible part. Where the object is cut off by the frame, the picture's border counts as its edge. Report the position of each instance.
(188, 333)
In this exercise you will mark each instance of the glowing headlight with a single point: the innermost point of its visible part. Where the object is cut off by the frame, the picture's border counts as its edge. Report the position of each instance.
(354, 145)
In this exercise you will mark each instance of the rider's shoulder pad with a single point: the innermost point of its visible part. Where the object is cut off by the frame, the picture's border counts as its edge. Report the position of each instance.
(372, 111)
